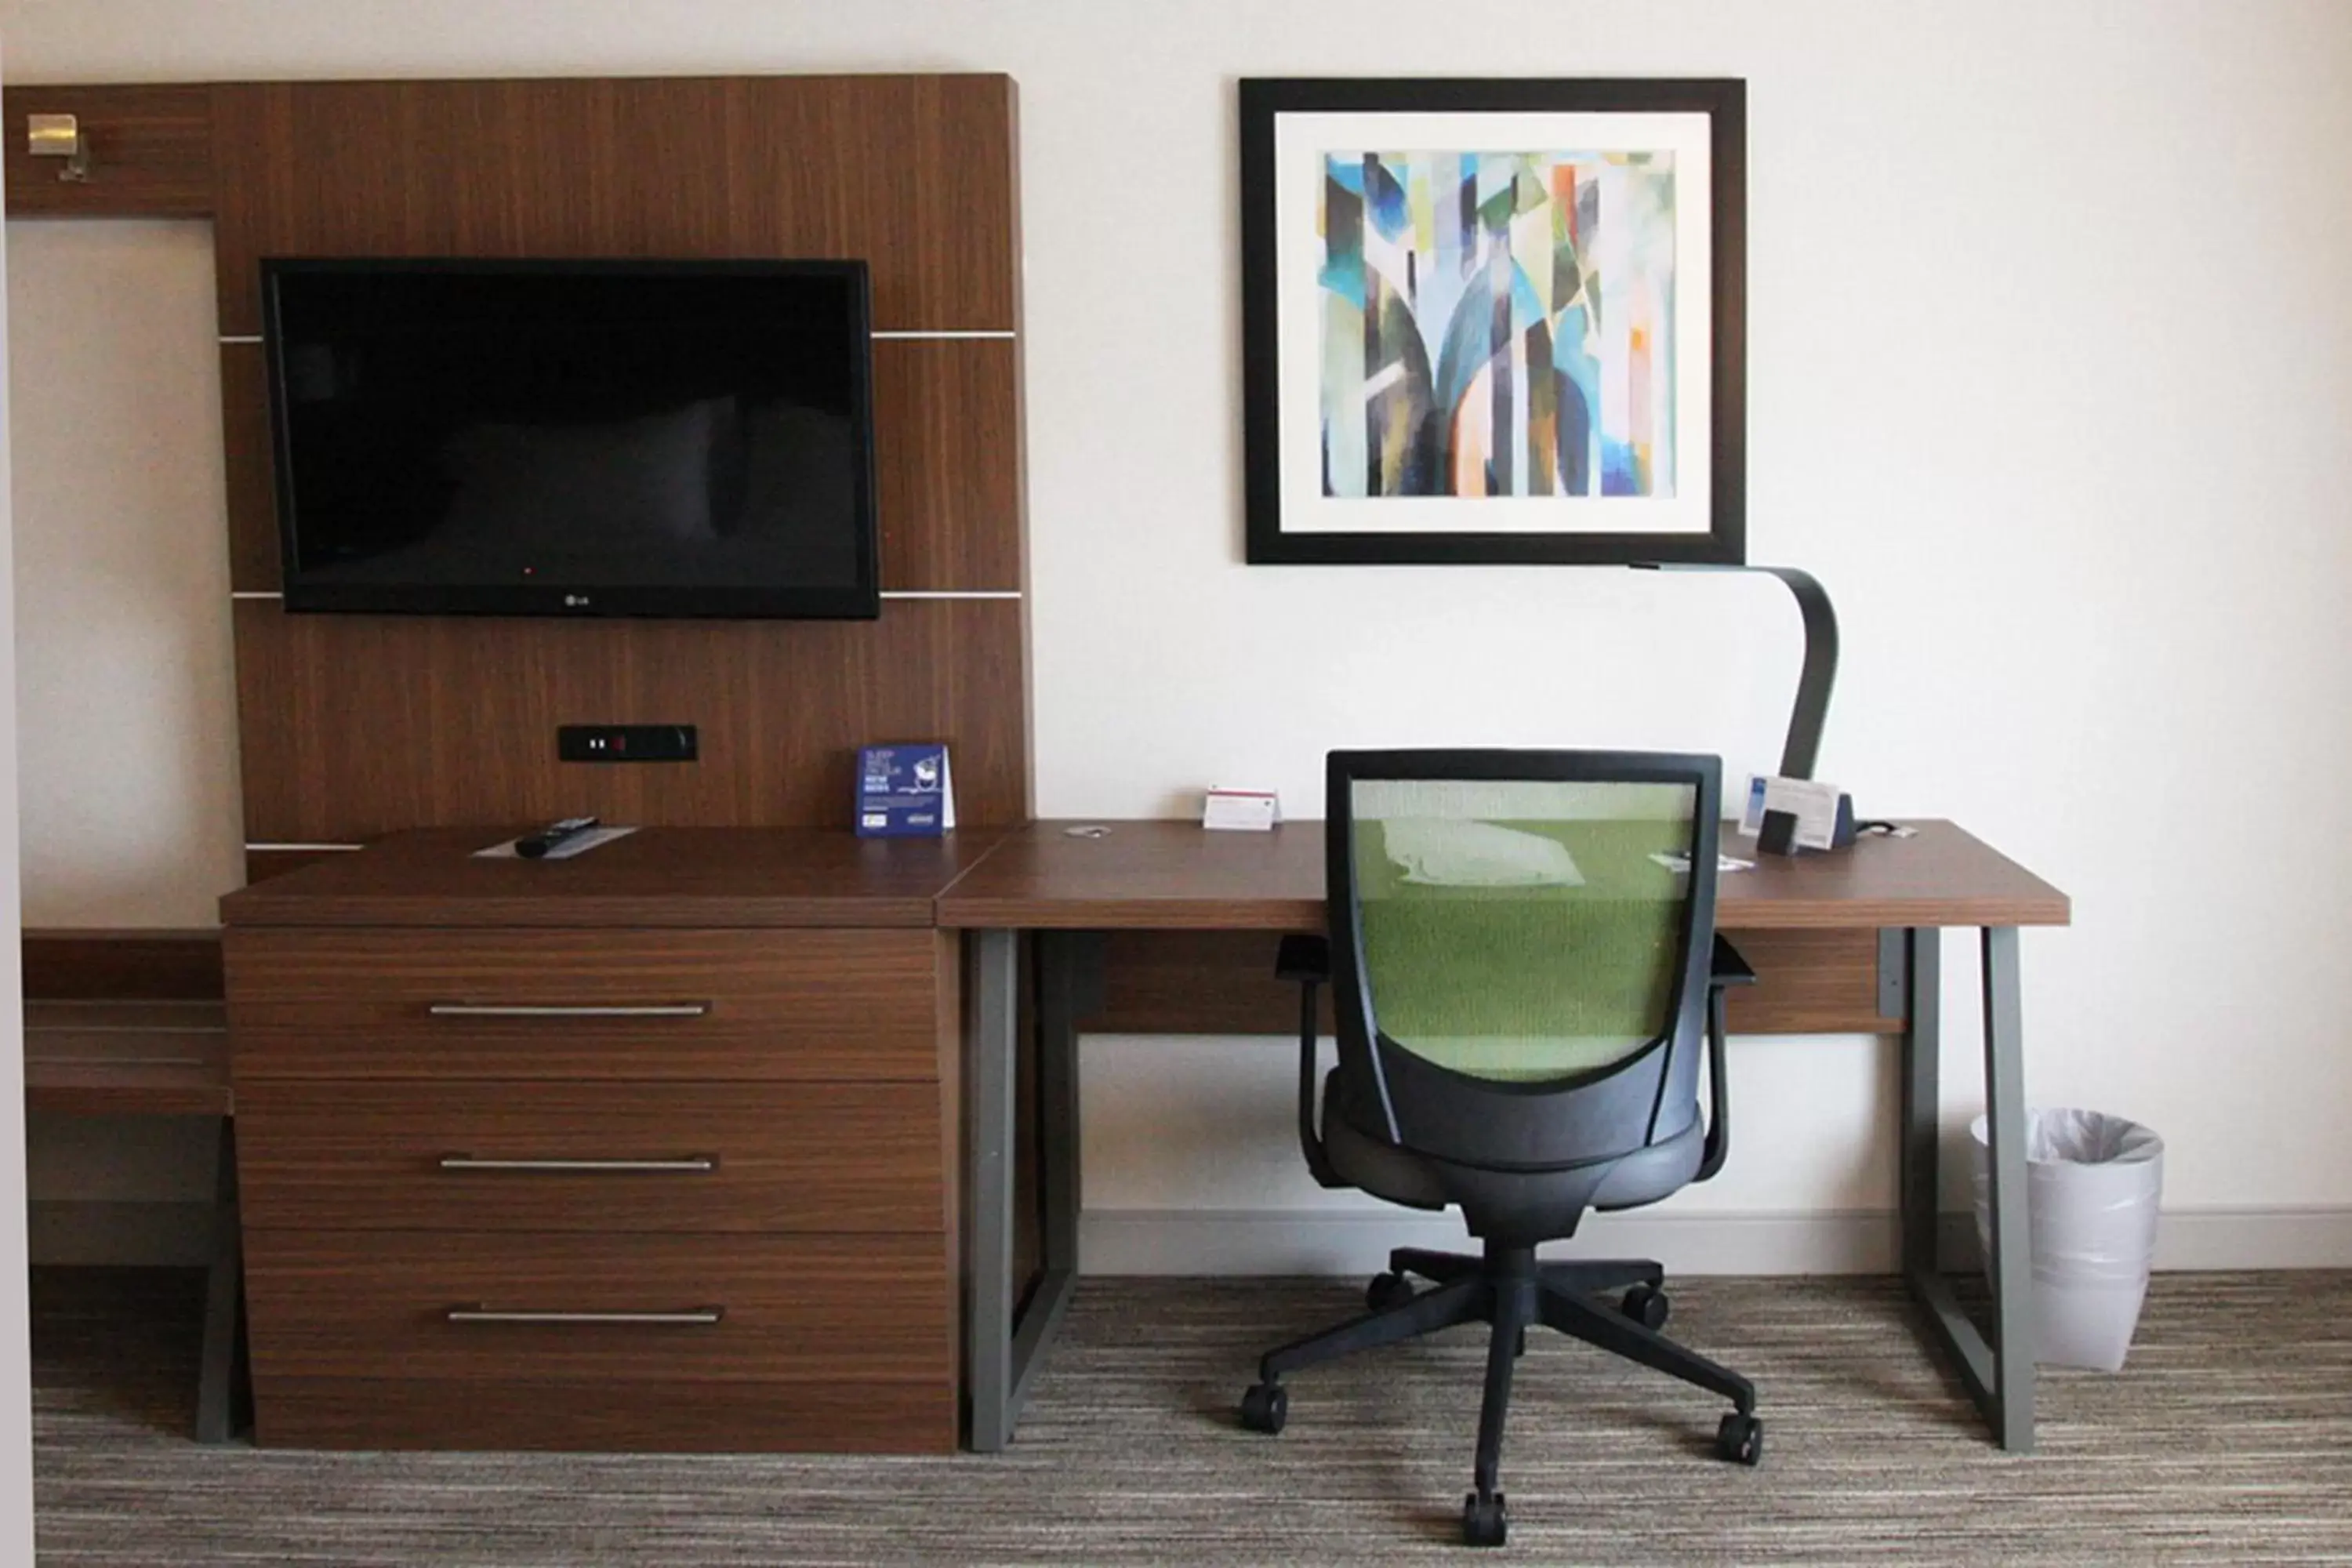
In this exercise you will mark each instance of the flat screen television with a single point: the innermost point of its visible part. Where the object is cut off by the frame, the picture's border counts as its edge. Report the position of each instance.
(573, 437)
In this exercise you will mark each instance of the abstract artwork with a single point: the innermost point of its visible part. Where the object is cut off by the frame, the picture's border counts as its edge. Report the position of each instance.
(1494, 321)
(1497, 324)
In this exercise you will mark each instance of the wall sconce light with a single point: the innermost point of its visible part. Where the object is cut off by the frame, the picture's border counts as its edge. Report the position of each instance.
(59, 136)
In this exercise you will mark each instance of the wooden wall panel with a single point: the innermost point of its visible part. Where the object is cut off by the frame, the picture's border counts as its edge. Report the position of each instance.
(946, 458)
(254, 564)
(914, 173)
(358, 725)
(150, 153)
(353, 726)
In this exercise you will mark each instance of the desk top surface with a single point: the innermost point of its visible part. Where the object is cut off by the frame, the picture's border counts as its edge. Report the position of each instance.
(1164, 875)
(653, 876)
(1137, 876)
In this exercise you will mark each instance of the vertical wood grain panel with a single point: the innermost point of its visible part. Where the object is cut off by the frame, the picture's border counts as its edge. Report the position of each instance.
(254, 563)
(947, 460)
(913, 173)
(150, 153)
(354, 726)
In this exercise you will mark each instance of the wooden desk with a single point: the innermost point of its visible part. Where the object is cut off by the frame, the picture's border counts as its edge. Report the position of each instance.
(1055, 891)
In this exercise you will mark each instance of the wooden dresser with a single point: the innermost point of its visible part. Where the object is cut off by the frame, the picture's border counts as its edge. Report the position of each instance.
(655, 1148)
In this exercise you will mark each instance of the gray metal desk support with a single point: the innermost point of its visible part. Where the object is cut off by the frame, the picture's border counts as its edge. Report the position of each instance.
(1997, 1371)
(1005, 1336)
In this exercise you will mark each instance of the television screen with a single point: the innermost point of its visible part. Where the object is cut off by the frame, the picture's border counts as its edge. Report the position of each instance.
(573, 437)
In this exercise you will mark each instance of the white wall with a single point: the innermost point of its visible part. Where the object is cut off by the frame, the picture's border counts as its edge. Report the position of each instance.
(2050, 363)
(124, 678)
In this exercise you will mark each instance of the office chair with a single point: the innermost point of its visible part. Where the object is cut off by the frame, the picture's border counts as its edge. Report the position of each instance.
(1524, 965)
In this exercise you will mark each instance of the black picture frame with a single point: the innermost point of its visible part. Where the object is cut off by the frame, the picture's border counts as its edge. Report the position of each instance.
(1580, 540)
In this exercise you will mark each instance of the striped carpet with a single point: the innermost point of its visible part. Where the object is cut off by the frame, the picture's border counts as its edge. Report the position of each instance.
(2227, 1439)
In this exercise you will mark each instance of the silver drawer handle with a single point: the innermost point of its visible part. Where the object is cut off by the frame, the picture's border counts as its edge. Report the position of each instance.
(115, 1062)
(519, 1010)
(694, 1317)
(691, 1164)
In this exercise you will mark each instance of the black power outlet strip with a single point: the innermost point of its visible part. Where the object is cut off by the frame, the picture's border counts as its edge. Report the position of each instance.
(626, 744)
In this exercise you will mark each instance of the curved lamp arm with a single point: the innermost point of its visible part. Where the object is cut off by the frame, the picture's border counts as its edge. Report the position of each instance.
(1820, 673)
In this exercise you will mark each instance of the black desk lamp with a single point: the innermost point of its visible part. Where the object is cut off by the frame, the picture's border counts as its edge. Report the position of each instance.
(1820, 672)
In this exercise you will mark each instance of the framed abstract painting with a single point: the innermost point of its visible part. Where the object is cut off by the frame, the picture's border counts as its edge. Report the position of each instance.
(1493, 320)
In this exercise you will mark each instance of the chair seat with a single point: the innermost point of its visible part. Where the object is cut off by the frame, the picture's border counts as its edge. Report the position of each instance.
(1507, 1206)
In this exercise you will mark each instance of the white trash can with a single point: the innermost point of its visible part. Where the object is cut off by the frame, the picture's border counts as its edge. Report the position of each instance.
(2093, 1183)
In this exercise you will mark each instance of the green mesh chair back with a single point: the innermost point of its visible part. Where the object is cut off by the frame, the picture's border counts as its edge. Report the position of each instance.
(1513, 937)
(1521, 929)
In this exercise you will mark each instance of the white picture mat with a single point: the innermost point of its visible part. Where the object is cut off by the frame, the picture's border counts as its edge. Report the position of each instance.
(1301, 140)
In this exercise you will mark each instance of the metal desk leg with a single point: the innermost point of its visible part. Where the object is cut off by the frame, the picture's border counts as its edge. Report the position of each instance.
(223, 1383)
(1999, 1375)
(1061, 955)
(1920, 962)
(992, 1070)
(2012, 1258)
(1004, 1343)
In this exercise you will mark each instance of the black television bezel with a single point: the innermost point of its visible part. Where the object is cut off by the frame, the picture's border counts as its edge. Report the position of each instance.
(860, 601)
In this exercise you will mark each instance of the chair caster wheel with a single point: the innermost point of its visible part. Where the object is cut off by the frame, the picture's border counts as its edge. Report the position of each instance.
(1739, 1439)
(1265, 1407)
(1646, 1305)
(1388, 1290)
(1484, 1521)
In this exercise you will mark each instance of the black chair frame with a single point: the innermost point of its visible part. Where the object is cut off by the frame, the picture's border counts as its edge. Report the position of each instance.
(1506, 1286)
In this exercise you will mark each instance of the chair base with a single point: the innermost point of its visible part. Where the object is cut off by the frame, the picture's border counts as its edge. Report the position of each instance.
(1510, 1289)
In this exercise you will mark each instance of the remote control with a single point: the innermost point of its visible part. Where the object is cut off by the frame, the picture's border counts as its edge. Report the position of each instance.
(536, 845)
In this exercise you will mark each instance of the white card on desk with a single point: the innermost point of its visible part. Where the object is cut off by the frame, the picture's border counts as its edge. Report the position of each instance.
(1814, 804)
(1247, 810)
(578, 844)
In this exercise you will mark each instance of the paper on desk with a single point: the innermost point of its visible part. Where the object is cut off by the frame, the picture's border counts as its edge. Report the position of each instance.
(1814, 804)
(1673, 862)
(578, 844)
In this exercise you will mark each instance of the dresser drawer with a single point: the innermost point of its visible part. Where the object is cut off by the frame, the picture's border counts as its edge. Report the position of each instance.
(808, 1005)
(594, 1156)
(838, 1416)
(602, 1308)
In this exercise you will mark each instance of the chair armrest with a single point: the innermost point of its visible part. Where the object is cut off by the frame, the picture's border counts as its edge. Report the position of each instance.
(1726, 967)
(1306, 960)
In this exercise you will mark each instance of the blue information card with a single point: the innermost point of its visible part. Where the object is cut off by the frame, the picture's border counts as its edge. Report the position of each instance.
(904, 791)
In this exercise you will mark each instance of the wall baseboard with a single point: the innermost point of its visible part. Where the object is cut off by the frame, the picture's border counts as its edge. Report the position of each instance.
(80, 1233)
(1347, 1241)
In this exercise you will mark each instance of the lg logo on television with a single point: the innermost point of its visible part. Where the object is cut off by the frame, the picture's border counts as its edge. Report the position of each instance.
(575, 601)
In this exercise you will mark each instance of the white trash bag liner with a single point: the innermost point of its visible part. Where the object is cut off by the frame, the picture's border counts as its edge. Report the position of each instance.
(2092, 1184)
